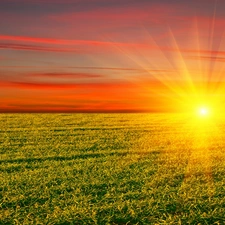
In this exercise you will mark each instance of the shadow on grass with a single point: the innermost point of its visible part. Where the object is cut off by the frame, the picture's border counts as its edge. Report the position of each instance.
(27, 202)
(73, 157)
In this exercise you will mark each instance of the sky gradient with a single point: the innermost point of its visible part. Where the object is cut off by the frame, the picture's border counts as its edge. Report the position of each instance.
(110, 55)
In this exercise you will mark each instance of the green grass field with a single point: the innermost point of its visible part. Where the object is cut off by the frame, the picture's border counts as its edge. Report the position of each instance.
(111, 169)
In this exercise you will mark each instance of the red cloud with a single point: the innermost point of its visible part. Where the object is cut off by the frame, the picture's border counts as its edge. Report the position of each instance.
(56, 41)
(37, 48)
(68, 75)
(85, 43)
(107, 97)
(69, 97)
(85, 86)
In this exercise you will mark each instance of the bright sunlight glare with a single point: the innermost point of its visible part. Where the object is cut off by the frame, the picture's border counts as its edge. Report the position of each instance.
(203, 111)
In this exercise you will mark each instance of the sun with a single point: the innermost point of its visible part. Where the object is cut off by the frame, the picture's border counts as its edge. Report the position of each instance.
(203, 111)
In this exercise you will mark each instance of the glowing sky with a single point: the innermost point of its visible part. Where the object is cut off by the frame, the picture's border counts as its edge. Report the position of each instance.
(110, 55)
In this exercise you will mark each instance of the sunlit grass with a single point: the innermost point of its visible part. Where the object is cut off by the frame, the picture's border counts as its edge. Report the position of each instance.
(111, 169)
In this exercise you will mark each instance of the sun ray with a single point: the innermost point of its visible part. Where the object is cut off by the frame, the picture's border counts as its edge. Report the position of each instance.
(210, 47)
(185, 71)
(163, 78)
(185, 84)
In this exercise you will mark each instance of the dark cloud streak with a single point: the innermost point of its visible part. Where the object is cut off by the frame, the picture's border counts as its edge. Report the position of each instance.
(36, 48)
(67, 75)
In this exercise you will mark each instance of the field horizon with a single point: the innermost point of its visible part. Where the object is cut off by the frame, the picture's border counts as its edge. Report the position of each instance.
(111, 168)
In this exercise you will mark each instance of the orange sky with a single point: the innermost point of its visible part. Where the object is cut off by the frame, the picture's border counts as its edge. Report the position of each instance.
(110, 56)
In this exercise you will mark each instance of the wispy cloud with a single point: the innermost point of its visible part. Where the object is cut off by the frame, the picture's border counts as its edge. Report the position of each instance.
(67, 75)
(52, 86)
(57, 41)
(26, 47)
(208, 58)
(85, 43)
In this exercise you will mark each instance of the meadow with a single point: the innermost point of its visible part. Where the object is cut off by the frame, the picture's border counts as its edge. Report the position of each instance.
(111, 169)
